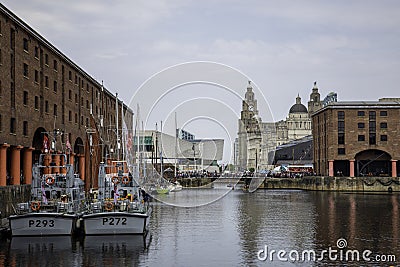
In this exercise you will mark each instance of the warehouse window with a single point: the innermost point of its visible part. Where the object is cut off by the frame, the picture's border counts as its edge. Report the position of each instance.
(25, 128)
(26, 71)
(372, 138)
(36, 102)
(12, 125)
(26, 46)
(25, 98)
(36, 76)
(341, 138)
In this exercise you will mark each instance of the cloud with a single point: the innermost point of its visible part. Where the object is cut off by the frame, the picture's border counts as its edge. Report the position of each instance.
(284, 46)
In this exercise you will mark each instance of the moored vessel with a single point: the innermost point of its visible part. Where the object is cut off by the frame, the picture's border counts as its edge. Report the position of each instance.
(57, 200)
(121, 206)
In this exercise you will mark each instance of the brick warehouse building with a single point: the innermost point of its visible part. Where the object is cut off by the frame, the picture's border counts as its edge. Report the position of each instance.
(357, 138)
(42, 90)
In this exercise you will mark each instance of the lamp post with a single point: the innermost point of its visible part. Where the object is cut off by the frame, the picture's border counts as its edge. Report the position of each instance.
(194, 157)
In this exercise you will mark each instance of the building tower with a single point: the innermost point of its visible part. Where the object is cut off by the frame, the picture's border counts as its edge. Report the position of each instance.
(298, 122)
(315, 100)
(249, 135)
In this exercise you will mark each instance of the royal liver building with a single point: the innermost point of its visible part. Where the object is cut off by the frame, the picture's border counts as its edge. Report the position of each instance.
(256, 139)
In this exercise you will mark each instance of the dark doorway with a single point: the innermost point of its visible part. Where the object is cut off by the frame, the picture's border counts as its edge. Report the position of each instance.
(341, 168)
(373, 163)
(37, 143)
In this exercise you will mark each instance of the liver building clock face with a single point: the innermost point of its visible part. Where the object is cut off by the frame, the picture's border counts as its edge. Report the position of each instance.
(251, 108)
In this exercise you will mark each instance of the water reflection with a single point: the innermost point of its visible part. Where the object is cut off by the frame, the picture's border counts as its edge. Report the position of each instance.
(119, 250)
(39, 251)
(366, 221)
(277, 219)
(230, 232)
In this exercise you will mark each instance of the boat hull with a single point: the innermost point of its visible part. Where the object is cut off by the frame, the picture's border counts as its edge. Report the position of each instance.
(42, 224)
(116, 223)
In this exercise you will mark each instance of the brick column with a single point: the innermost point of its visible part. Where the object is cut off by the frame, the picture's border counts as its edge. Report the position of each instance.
(394, 167)
(3, 164)
(82, 167)
(71, 158)
(62, 163)
(56, 160)
(108, 169)
(352, 167)
(46, 162)
(330, 164)
(16, 164)
(27, 165)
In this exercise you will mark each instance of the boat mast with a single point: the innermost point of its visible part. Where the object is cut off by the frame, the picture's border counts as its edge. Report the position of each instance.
(126, 129)
(161, 157)
(116, 114)
(143, 152)
(176, 144)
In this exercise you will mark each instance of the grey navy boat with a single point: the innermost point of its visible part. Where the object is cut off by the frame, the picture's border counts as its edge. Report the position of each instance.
(120, 207)
(57, 200)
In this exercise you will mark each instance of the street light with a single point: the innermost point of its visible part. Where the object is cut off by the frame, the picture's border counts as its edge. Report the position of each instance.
(194, 157)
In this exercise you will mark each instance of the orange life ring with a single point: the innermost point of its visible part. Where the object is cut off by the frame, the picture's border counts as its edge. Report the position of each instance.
(35, 205)
(125, 180)
(50, 180)
(108, 206)
(115, 180)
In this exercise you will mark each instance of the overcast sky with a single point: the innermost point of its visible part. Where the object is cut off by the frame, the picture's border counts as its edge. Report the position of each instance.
(350, 47)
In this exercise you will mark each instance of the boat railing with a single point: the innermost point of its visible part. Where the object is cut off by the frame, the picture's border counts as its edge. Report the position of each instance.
(22, 208)
(36, 206)
(121, 205)
(63, 207)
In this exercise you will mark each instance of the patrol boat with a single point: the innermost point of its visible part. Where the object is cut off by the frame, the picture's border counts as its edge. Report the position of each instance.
(120, 207)
(57, 200)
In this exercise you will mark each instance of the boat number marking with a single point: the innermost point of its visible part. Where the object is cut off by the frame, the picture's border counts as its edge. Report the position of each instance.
(41, 223)
(114, 221)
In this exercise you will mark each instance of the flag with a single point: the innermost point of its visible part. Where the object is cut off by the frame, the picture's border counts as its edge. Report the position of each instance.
(44, 198)
(116, 194)
(68, 145)
(45, 144)
(129, 143)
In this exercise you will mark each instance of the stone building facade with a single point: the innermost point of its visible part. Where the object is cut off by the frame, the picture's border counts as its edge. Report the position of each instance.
(249, 133)
(357, 138)
(42, 90)
(257, 139)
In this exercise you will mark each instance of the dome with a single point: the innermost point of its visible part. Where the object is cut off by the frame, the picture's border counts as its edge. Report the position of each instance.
(298, 108)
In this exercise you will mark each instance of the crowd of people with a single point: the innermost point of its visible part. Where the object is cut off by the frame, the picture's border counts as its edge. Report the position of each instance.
(197, 174)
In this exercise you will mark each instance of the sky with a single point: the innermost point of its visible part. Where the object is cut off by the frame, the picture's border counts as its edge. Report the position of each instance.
(349, 47)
